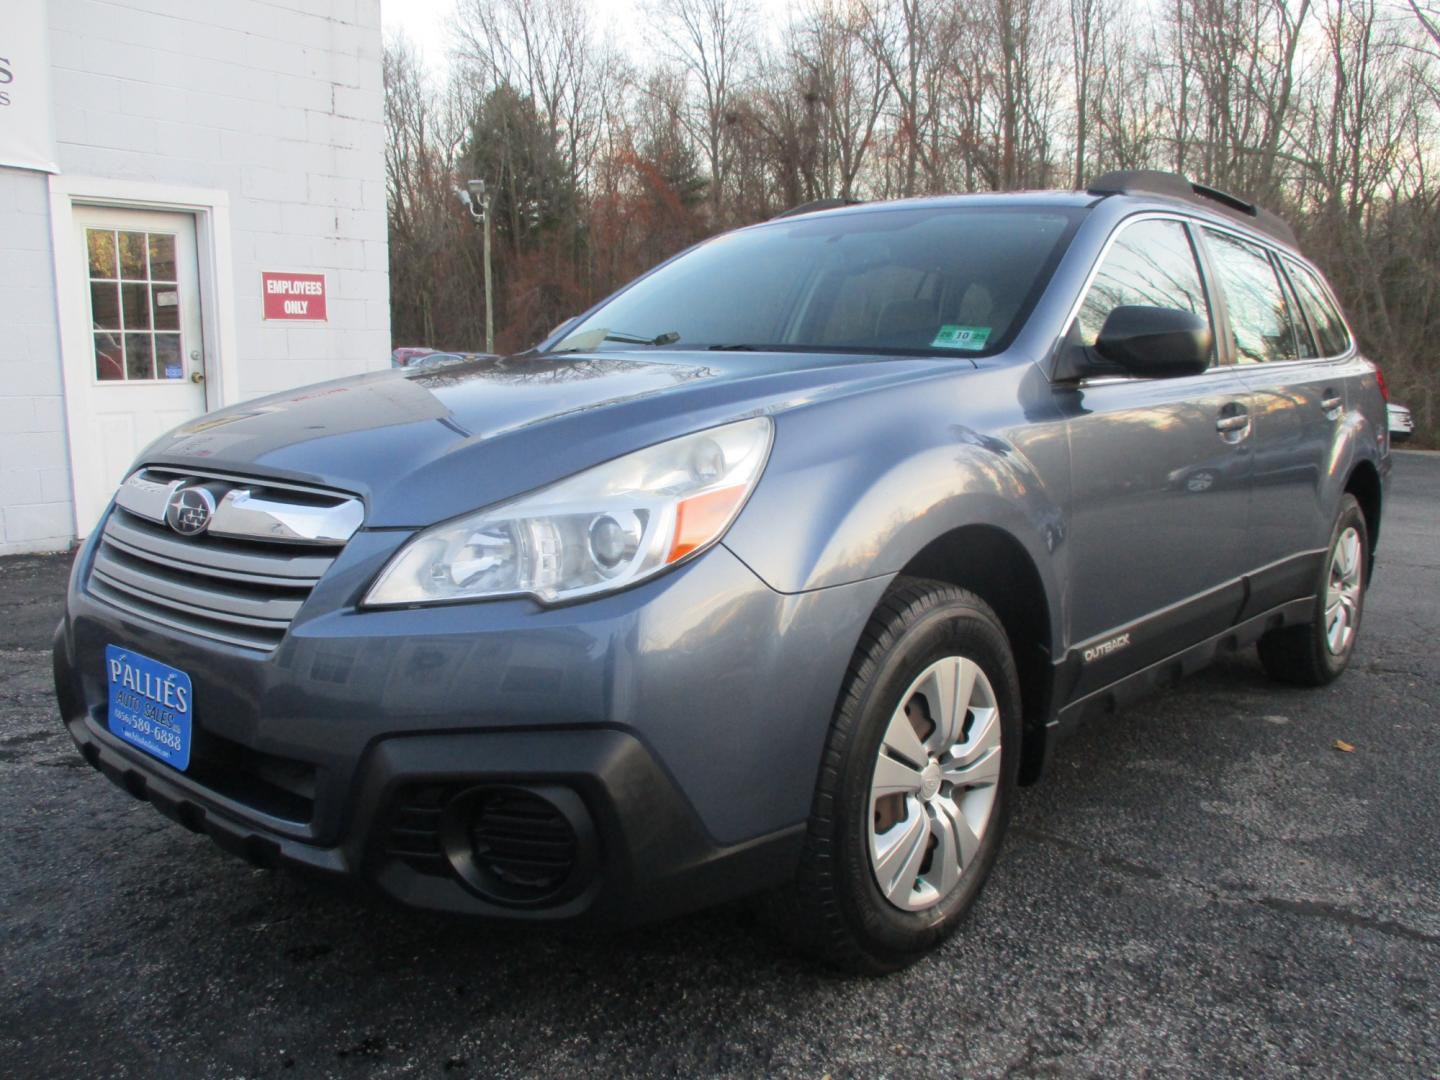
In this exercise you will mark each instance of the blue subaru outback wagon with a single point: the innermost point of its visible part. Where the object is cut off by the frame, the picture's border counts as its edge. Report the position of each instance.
(775, 573)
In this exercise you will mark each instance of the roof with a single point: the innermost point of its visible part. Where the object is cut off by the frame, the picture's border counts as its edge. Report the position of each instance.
(1151, 183)
(1151, 186)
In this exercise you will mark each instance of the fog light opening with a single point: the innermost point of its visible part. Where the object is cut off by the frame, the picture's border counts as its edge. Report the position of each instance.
(519, 846)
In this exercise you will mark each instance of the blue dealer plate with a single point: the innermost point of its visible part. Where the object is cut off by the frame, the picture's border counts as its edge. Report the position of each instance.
(150, 705)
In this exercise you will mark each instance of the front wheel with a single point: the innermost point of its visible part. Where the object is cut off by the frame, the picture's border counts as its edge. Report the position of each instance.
(1317, 652)
(915, 785)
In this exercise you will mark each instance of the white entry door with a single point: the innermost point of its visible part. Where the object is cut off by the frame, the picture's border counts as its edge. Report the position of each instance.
(144, 371)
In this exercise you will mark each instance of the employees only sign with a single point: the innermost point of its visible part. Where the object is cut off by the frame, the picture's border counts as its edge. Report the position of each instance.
(293, 296)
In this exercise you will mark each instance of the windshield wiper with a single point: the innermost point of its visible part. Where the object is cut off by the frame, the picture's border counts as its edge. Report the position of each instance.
(667, 338)
(590, 339)
(731, 348)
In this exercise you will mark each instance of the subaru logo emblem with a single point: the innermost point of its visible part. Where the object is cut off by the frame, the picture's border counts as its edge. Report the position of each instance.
(189, 510)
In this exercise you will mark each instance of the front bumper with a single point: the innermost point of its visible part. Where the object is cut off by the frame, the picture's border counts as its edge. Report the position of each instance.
(686, 716)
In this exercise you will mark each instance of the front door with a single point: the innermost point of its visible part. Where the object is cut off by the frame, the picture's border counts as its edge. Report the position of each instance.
(1161, 478)
(143, 372)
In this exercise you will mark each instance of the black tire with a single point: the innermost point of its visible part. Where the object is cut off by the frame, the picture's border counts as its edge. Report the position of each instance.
(834, 910)
(1301, 654)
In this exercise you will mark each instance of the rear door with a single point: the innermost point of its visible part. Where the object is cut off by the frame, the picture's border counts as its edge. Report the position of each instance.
(1161, 476)
(1297, 407)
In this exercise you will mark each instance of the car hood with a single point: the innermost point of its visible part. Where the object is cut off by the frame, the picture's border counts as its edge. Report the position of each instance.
(419, 447)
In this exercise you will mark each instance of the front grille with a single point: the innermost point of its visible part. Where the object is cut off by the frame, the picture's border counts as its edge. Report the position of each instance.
(236, 589)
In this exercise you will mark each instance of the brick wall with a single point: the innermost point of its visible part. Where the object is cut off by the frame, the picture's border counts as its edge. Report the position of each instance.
(278, 103)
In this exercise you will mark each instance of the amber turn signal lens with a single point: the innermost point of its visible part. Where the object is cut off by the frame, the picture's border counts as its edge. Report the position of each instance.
(700, 519)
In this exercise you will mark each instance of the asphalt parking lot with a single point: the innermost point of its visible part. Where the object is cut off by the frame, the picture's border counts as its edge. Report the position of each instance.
(1203, 885)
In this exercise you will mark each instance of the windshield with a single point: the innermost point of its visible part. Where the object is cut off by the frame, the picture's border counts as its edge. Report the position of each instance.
(911, 280)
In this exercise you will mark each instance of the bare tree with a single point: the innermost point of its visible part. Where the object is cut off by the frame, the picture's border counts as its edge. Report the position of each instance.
(711, 42)
(1326, 109)
(827, 44)
(546, 50)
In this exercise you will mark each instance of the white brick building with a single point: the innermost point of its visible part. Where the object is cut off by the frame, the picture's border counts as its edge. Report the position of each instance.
(196, 145)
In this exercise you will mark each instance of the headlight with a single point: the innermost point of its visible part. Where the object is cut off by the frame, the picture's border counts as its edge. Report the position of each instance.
(601, 530)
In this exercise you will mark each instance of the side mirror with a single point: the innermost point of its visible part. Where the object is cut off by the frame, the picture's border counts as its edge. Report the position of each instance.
(1156, 341)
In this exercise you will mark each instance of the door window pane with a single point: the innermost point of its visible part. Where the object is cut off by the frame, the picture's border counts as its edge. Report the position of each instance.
(168, 364)
(132, 255)
(1260, 324)
(1151, 264)
(135, 297)
(109, 357)
(135, 300)
(162, 257)
(101, 244)
(138, 361)
(1329, 326)
(167, 307)
(105, 305)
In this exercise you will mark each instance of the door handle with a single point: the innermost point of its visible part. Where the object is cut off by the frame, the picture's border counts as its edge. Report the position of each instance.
(1332, 403)
(1233, 422)
(197, 376)
(1227, 424)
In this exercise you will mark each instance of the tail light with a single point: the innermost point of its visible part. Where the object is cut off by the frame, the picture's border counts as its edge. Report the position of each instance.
(1384, 387)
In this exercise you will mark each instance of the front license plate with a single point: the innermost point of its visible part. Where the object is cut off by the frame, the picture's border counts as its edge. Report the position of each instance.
(150, 705)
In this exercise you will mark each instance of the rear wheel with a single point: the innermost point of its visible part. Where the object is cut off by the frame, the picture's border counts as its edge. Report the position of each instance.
(915, 786)
(1317, 652)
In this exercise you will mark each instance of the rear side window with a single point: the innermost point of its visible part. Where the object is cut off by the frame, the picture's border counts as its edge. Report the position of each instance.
(1261, 324)
(1151, 264)
(1303, 337)
(1329, 326)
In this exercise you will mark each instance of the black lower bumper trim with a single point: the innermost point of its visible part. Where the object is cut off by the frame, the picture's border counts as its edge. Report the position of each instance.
(651, 856)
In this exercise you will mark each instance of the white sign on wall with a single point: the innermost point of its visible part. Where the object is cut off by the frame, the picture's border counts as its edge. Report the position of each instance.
(27, 139)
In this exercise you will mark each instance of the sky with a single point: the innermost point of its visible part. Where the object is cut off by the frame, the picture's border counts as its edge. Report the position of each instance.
(424, 23)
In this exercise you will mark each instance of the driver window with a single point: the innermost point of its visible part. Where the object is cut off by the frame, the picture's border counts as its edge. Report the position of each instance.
(1151, 264)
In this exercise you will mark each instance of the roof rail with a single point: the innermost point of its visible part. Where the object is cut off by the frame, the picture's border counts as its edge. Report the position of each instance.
(1175, 186)
(817, 204)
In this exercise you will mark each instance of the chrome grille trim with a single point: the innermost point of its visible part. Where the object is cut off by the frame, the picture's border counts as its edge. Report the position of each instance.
(318, 517)
(241, 514)
(243, 587)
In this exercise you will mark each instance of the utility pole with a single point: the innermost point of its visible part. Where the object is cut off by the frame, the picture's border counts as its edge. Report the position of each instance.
(477, 201)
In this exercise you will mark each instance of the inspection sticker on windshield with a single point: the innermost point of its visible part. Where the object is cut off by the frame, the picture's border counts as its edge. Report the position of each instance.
(150, 705)
(961, 337)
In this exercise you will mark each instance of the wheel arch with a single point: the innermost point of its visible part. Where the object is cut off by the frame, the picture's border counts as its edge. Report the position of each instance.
(994, 564)
(1364, 483)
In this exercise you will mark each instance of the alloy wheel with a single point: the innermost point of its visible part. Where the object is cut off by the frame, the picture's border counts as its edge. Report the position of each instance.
(1342, 593)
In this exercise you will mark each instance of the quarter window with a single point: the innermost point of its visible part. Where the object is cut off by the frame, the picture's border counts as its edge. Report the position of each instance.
(1151, 264)
(1329, 326)
(1261, 325)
